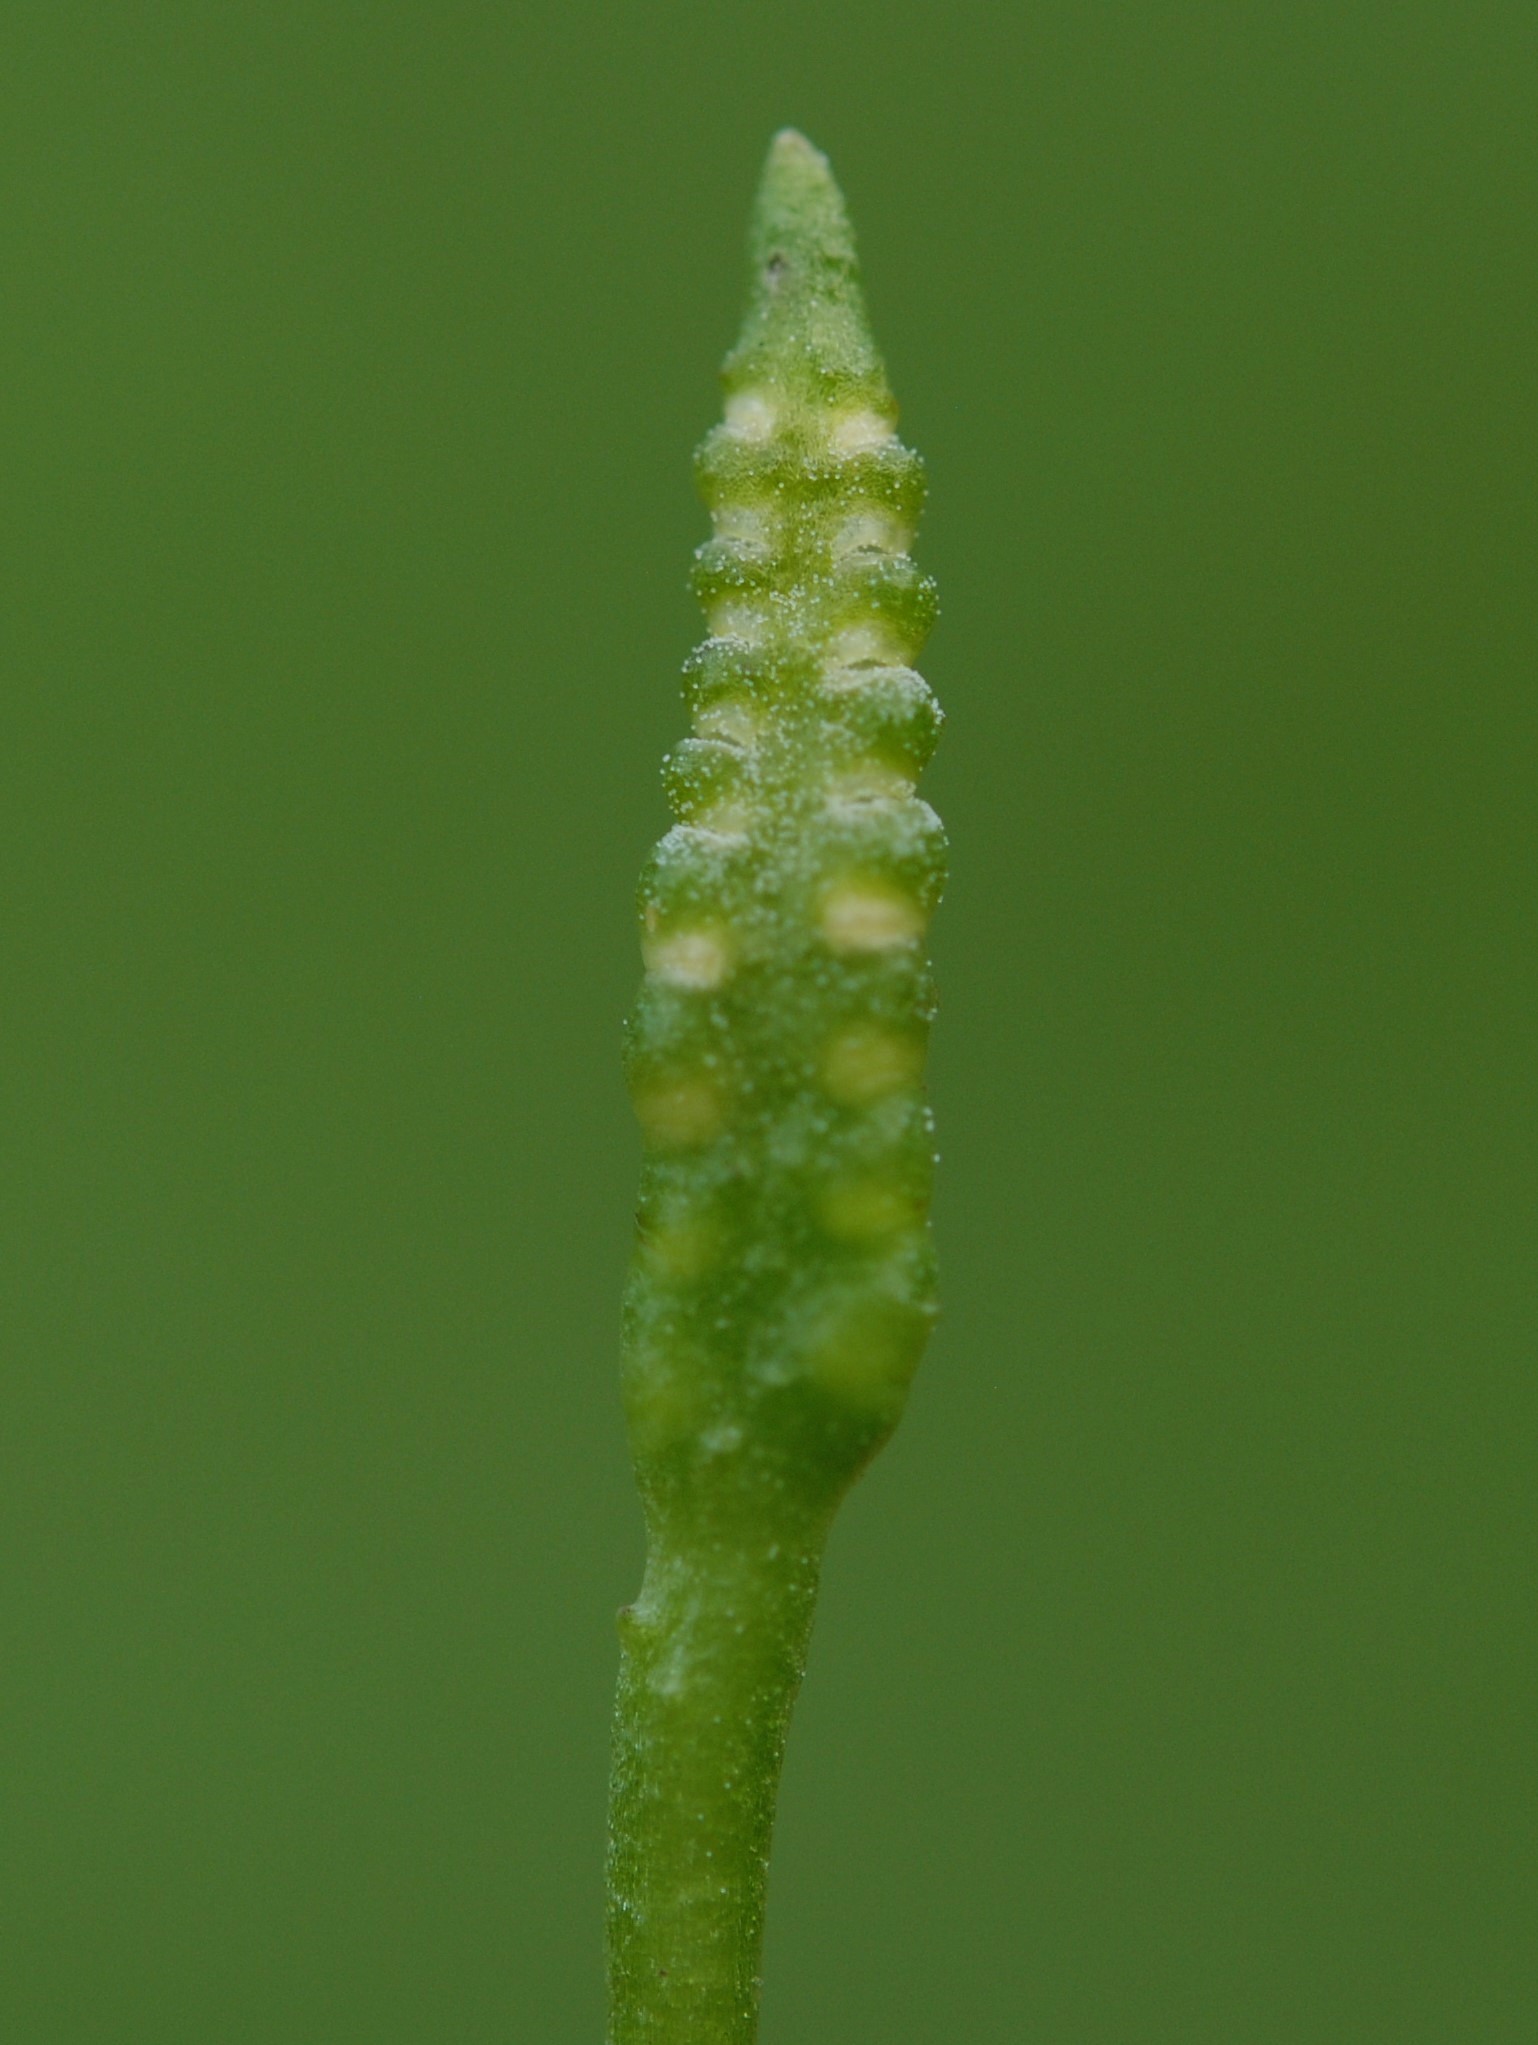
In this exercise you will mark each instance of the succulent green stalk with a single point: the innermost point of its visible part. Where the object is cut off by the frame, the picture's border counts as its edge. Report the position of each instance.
(783, 1282)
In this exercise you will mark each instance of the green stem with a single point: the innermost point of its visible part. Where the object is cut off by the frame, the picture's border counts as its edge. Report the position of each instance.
(712, 1656)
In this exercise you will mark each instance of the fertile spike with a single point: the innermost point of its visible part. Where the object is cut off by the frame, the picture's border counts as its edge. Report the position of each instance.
(783, 1282)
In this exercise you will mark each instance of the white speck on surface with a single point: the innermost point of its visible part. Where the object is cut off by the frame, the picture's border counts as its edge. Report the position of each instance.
(734, 720)
(682, 1250)
(671, 1674)
(737, 620)
(868, 782)
(871, 643)
(865, 1210)
(728, 819)
(872, 529)
(745, 522)
(681, 1114)
(853, 432)
(750, 415)
(861, 1064)
(699, 958)
(869, 916)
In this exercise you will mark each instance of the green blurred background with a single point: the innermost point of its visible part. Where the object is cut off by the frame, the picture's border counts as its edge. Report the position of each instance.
(1175, 1682)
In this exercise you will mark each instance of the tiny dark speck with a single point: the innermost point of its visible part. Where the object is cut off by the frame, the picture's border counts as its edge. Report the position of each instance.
(775, 269)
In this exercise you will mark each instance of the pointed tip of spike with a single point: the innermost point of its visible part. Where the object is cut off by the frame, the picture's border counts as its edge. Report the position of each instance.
(799, 218)
(800, 211)
(791, 142)
(794, 161)
(806, 324)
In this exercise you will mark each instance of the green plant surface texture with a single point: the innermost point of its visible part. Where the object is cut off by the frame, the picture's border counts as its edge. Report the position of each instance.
(783, 1281)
